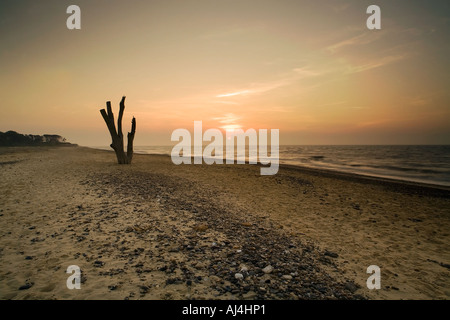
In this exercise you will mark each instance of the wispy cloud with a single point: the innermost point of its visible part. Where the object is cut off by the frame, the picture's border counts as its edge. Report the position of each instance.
(256, 88)
(362, 39)
(420, 101)
(375, 64)
(233, 94)
(333, 104)
(294, 75)
(306, 72)
(424, 99)
(228, 121)
(374, 123)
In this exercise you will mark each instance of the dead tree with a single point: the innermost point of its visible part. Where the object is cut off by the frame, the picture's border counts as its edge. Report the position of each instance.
(117, 136)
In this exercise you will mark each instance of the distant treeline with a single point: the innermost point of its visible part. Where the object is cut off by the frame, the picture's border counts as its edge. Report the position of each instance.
(13, 139)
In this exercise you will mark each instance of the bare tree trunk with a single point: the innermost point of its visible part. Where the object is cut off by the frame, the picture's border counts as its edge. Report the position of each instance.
(117, 136)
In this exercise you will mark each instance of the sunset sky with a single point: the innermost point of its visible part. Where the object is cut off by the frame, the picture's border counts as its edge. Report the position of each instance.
(311, 69)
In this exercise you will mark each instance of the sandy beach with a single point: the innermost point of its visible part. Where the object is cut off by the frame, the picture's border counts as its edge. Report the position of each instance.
(153, 230)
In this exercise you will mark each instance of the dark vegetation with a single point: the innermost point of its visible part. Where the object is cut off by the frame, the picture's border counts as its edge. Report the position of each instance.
(14, 139)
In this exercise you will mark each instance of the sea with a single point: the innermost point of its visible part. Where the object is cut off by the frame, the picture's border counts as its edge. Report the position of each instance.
(429, 164)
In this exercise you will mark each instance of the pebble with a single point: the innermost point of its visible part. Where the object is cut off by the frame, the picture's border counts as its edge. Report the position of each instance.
(268, 269)
(248, 263)
(350, 286)
(99, 264)
(250, 295)
(143, 289)
(26, 286)
(331, 254)
(214, 278)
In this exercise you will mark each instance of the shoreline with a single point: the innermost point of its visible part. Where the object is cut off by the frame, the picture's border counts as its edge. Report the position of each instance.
(153, 230)
(431, 189)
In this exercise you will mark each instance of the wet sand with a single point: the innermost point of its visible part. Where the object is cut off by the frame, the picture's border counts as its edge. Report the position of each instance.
(153, 230)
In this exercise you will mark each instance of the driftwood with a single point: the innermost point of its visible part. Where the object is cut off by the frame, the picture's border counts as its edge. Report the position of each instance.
(117, 136)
